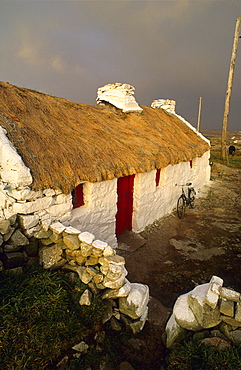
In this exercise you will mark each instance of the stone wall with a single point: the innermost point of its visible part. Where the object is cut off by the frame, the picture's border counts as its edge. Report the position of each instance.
(207, 306)
(94, 261)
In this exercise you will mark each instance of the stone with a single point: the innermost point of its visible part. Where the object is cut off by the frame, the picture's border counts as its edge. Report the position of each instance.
(108, 312)
(116, 284)
(75, 255)
(57, 227)
(46, 221)
(28, 221)
(236, 336)
(71, 230)
(1, 239)
(71, 241)
(31, 207)
(8, 235)
(92, 271)
(227, 307)
(25, 194)
(229, 294)
(86, 249)
(58, 210)
(183, 314)
(13, 259)
(46, 241)
(238, 311)
(98, 278)
(86, 237)
(117, 293)
(4, 226)
(115, 325)
(213, 291)
(32, 248)
(11, 248)
(55, 237)
(81, 347)
(134, 305)
(98, 247)
(86, 298)
(18, 239)
(42, 234)
(138, 325)
(167, 104)
(91, 261)
(174, 333)
(12, 220)
(84, 276)
(49, 192)
(231, 321)
(205, 315)
(216, 342)
(50, 256)
(108, 251)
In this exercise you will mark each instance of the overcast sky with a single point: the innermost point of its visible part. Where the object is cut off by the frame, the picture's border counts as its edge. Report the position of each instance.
(178, 50)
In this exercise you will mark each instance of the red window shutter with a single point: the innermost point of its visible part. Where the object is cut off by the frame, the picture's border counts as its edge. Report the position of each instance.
(77, 196)
(158, 172)
(191, 164)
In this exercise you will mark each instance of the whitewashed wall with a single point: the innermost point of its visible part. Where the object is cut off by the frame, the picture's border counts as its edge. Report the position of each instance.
(152, 202)
(98, 214)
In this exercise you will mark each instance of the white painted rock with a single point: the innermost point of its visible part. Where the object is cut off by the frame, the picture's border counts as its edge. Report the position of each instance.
(134, 305)
(184, 315)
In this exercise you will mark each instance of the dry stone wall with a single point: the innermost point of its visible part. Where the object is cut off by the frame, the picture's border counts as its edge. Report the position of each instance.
(95, 263)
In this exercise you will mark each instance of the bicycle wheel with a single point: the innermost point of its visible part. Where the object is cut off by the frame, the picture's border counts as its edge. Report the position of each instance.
(192, 198)
(180, 207)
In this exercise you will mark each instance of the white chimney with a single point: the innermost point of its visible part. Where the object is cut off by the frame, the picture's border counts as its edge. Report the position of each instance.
(120, 95)
(167, 104)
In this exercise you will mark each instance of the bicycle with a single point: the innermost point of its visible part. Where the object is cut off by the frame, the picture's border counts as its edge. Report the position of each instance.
(184, 201)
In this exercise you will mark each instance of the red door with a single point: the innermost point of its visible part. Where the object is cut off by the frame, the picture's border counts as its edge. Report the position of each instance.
(124, 204)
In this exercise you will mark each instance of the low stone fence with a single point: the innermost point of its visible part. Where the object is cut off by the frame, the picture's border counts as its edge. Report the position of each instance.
(94, 261)
(208, 306)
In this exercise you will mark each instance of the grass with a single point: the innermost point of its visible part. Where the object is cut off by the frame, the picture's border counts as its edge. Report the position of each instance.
(233, 161)
(194, 355)
(41, 318)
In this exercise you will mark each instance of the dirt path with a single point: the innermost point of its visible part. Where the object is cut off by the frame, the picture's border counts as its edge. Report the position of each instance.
(180, 254)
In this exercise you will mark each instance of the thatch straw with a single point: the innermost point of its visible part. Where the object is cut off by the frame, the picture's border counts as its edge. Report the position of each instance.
(65, 143)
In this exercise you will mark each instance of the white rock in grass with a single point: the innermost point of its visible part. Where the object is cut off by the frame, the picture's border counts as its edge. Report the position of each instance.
(135, 303)
(86, 237)
(174, 332)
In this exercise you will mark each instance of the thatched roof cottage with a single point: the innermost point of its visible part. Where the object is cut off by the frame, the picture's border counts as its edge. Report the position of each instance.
(103, 168)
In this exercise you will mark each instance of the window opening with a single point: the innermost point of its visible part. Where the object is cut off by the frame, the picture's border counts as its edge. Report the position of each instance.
(78, 196)
(158, 172)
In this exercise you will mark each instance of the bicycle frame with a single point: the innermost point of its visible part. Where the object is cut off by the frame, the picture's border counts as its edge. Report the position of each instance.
(185, 200)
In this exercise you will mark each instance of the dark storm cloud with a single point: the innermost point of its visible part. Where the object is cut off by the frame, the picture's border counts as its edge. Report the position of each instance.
(166, 49)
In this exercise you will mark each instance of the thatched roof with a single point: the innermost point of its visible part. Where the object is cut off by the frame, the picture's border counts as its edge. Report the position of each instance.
(64, 143)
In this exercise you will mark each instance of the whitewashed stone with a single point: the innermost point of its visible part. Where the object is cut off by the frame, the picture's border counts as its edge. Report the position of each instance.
(71, 230)
(167, 104)
(86, 237)
(99, 245)
(63, 198)
(137, 326)
(229, 294)
(174, 332)
(71, 241)
(46, 221)
(24, 194)
(134, 305)
(114, 260)
(205, 315)
(86, 298)
(49, 192)
(50, 256)
(183, 314)
(57, 227)
(59, 209)
(30, 232)
(213, 291)
(28, 221)
(34, 206)
(2, 200)
(119, 95)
